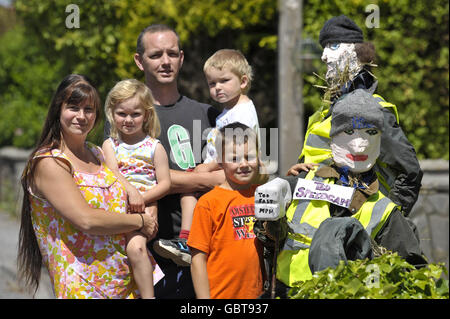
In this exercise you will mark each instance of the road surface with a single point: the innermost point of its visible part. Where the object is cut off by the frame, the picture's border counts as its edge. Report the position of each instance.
(10, 288)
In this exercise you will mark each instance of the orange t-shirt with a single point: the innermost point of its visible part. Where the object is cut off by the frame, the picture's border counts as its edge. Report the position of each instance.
(222, 227)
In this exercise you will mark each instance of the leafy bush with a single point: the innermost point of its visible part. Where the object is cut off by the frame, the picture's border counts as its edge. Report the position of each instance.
(27, 82)
(411, 44)
(386, 277)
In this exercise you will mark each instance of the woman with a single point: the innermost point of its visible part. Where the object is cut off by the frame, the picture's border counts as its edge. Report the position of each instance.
(74, 208)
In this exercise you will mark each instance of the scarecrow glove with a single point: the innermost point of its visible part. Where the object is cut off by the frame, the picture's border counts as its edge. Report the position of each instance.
(272, 199)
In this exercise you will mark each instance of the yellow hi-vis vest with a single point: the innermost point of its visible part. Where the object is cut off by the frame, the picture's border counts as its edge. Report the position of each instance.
(317, 149)
(304, 218)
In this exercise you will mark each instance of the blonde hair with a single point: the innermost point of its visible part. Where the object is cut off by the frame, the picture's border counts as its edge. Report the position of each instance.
(234, 60)
(128, 89)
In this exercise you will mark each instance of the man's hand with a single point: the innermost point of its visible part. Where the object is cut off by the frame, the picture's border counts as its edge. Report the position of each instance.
(150, 227)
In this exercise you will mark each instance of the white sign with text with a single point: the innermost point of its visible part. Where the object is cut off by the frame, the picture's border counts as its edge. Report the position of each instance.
(314, 190)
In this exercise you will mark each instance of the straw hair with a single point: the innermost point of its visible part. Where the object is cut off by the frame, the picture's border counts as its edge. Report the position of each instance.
(234, 60)
(128, 89)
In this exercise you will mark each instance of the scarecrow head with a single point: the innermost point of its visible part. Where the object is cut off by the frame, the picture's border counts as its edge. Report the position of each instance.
(344, 49)
(356, 126)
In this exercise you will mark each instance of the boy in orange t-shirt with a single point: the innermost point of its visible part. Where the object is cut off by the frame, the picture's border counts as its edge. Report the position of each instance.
(226, 255)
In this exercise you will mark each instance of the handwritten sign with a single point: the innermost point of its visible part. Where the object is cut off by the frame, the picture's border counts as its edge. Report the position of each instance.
(313, 190)
(271, 199)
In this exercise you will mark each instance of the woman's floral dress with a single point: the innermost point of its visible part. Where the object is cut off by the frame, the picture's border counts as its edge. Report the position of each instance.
(83, 265)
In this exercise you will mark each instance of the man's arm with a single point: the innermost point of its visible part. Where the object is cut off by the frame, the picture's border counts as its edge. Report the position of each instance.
(188, 182)
(399, 234)
(398, 153)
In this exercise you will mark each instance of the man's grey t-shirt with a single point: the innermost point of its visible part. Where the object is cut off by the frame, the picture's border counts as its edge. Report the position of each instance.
(184, 127)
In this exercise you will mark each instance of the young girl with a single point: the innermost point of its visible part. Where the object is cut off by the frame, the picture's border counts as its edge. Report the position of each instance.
(140, 162)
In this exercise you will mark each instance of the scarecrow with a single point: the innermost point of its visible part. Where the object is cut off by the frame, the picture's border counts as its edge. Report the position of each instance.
(336, 211)
(349, 60)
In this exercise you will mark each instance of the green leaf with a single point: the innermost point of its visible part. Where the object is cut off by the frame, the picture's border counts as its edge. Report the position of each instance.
(386, 268)
(420, 283)
(353, 286)
(396, 279)
(442, 287)
(435, 270)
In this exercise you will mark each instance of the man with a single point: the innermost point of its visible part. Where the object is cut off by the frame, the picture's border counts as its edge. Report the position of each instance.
(348, 60)
(183, 121)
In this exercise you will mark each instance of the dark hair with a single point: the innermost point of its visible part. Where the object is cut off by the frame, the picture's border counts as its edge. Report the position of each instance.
(154, 28)
(240, 134)
(73, 89)
(365, 52)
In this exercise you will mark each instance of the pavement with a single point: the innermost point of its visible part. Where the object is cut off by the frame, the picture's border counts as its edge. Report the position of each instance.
(10, 288)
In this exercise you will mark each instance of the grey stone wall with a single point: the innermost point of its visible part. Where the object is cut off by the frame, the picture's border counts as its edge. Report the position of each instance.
(12, 163)
(431, 212)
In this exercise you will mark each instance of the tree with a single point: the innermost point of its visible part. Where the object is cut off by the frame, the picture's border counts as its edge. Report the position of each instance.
(411, 42)
(27, 80)
(103, 46)
(7, 19)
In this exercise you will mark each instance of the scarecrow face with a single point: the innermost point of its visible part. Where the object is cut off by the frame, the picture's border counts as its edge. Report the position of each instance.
(356, 148)
(342, 61)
